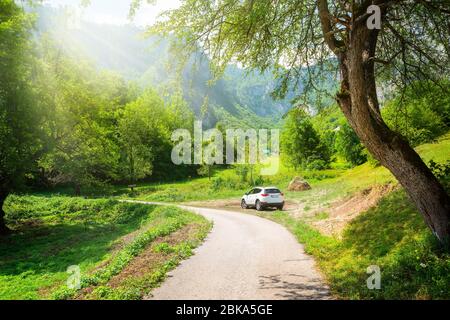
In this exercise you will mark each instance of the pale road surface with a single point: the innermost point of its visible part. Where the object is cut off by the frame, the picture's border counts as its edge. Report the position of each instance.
(244, 257)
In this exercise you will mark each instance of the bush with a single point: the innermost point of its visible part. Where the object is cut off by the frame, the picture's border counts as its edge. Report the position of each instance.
(349, 147)
(421, 115)
(316, 164)
(20, 209)
(232, 182)
(301, 143)
(442, 172)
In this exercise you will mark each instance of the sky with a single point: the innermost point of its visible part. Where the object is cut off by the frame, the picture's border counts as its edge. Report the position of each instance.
(116, 12)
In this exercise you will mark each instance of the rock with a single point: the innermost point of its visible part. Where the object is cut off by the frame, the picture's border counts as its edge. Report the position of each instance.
(298, 184)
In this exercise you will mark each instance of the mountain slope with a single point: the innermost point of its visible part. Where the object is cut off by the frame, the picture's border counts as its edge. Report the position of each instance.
(235, 99)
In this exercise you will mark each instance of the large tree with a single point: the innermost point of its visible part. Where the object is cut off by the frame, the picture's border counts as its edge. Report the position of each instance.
(83, 149)
(291, 35)
(301, 143)
(20, 142)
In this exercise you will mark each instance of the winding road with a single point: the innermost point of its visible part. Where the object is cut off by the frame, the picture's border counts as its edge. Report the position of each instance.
(244, 257)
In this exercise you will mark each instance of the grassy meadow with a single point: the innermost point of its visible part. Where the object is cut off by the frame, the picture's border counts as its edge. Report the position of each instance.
(327, 185)
(101, 237)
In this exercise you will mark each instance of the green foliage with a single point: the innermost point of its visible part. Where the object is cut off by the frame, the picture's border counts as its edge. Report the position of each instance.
(137, 288)
(56, 233)
(327, 123)
(223, 183)
(137, 155)
(422, 114)
(102, 129)
(82, 149)
(21, 210)
(20, 117)
(348, 145)
(171, 220)
(145, 128)
(301, 144)
(245, 172)
(441, 171)
(339, 137)
(163, 248)
(168, 220)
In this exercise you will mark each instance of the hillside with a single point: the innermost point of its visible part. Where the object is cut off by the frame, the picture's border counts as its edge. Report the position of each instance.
(237, 98)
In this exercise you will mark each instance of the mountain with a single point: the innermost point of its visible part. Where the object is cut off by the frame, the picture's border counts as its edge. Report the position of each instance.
(238, 98)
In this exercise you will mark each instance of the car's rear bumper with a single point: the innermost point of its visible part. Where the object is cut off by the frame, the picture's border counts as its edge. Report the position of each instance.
(272, 204)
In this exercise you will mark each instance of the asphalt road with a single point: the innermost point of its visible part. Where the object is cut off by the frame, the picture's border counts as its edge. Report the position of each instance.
(244, 257)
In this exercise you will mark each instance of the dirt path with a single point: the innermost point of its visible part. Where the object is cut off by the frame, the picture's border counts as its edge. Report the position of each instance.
(244, 257)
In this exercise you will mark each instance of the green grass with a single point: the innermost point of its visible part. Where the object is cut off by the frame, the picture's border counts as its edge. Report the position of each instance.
(392, 236)
(321, 216)
(135, 288)
(327, 185)
(192, 190)
(55, 233)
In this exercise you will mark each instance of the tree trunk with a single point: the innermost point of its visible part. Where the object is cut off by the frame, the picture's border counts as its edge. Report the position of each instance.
(3, 228)
(358, 100)
(77, 190)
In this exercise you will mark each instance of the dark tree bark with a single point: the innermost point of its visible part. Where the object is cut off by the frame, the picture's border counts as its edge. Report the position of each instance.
(359, 102)
(3, 228)
(77, 190)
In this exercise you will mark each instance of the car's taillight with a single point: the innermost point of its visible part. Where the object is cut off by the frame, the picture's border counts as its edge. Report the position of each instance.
(264, 195)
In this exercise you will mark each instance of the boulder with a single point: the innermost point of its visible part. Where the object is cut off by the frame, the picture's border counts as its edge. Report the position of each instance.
(298, 184)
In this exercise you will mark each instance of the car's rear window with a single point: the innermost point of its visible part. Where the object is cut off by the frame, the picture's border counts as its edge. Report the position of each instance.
(272, 191)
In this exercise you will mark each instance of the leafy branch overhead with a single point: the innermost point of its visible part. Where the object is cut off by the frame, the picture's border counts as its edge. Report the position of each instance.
(291, 35)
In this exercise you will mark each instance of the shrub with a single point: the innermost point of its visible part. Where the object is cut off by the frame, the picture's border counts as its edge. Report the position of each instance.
(442, 172)
(349, 147)
(301, 143)
(422, 114)
(316, 164)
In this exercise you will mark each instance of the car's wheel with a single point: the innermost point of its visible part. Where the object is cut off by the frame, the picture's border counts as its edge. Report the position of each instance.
(280, 208)
(244, 204)
(259, 206)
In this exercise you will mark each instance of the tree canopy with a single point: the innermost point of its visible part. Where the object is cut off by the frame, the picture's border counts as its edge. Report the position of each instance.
(64, 122)
(20, 117)
(289, 35)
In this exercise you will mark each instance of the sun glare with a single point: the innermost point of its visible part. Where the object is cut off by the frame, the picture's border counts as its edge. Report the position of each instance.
(116, 13)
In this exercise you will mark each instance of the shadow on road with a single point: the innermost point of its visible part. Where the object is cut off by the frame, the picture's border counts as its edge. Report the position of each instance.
(310, 290)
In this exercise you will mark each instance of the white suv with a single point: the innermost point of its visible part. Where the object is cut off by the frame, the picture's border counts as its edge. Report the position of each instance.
(261, 198)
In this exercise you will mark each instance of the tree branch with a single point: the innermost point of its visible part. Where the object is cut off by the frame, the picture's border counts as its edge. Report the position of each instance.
(325, 19)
